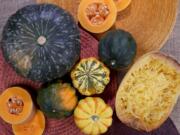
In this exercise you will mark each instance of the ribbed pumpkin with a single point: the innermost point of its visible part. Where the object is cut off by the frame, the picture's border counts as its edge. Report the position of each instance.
(90, 76)
(93, 116)
(58, 100)
(41, 42)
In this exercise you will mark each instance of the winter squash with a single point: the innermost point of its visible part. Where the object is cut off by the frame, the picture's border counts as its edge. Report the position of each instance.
(41, 42)
(122, 4)
(148, 92)
(58, 100)
(93, 116)
(90, 76)
(117, 49)
(35, 126)
(97, 16)
(16, 106)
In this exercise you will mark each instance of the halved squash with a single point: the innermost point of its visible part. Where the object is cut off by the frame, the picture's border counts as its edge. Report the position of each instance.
(16, 106)
(148, 92)
(122, 4)
(97, 16)
(35, 126)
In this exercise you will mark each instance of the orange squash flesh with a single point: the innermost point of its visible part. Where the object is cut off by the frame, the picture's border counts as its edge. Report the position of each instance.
(108, 21)
(27, 111)
(35, 126)
(122, 4)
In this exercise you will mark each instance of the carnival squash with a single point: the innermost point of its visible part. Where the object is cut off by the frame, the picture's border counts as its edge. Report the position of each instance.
(117, 49)
(148, 92)
(35, 126)
(97, 16)
(90, 76)
(93, 116)
(16, 106)
(122, 4)
(58, 100)
(41, 42)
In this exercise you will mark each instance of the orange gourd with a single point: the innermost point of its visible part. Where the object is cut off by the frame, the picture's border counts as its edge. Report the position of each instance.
(122, 4)
(97, 16)
(16, 106)
(35, 126)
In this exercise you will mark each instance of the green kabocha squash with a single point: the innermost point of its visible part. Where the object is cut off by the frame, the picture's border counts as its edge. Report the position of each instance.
(90, 76)
(117, 49)
(58, 100)
(41, 42)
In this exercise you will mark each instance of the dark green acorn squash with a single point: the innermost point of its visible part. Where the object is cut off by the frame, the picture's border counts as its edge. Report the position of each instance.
(117, 49)
(58, 100)
(41, 42)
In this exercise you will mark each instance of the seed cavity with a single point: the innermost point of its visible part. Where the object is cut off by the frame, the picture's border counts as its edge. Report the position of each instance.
(15, 105)
(97, 13)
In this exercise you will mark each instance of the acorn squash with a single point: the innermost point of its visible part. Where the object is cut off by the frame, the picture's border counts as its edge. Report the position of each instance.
(97, 16)
(122, 4)
(90, 76)
(35, 126)
(117, 49)
(148, 92)
(93, 116)
(41, 42)
(58, 100)
(16, 106)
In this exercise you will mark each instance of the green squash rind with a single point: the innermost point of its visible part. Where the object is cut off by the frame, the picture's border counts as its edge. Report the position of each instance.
(32, 60)
(117, 49)
(48, 102)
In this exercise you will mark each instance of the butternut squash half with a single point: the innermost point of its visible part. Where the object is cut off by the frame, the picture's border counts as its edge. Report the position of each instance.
(16, 106)
(97, 16)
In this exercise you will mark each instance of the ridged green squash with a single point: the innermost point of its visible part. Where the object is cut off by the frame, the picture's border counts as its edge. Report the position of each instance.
(117, 49)
(58, 100)
(41, 42)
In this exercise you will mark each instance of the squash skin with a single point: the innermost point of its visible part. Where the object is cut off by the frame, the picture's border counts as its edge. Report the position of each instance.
(32, 60)
(90, 76)
(28, 108)
(55, 103)
(117, 49)
(86, 24)
(35, 126)
(93, 116)
(122, 4)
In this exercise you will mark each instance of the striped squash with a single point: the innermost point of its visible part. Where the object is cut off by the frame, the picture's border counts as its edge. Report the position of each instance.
(93, 116)
(90, 76)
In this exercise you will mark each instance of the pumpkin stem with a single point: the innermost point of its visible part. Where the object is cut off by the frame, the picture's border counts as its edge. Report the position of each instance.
(94, 118)
(113, 63)
(41, 40)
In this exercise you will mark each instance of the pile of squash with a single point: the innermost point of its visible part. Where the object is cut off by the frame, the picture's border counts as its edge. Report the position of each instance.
(42, 43)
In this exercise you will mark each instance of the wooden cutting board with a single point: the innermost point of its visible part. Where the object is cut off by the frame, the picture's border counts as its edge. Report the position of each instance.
(150, 21)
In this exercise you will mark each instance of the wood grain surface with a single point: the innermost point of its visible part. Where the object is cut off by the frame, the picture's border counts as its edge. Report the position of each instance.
(149, 37)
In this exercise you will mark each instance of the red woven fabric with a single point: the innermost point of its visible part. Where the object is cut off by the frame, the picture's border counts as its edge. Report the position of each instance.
(8, 78)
